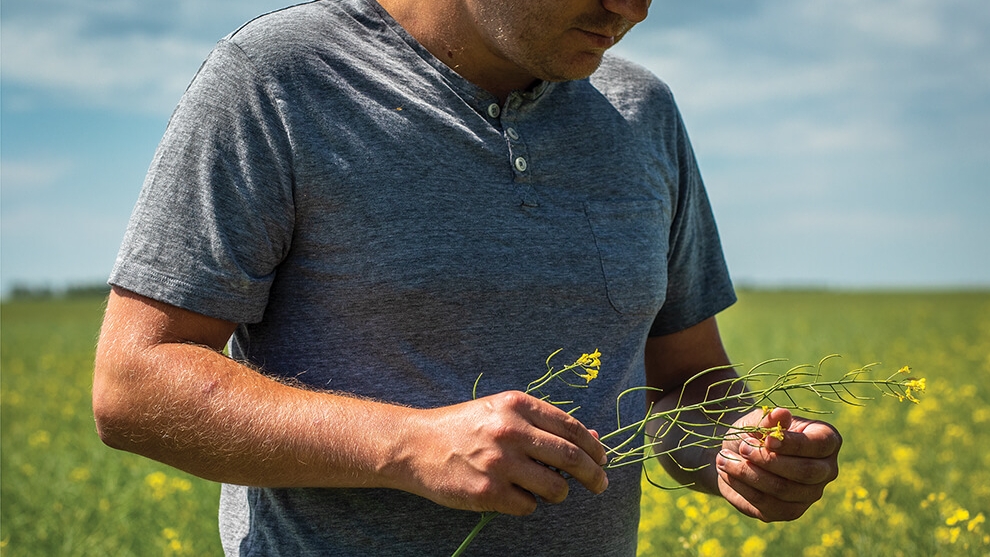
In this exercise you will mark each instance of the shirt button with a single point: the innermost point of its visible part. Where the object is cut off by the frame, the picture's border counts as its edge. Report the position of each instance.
(494, 110)
(512, 133)
(521, 164)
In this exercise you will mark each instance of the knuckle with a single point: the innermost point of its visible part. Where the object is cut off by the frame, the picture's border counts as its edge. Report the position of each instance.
(775, 485)
(482, 491)
(515, 504)
(786, 513)
(572, 427)
(557, 491)
(809, 473)
(492, 461)
(833, 473)
(836, 441)
(792, 513)
(514, 400)
(501, 432)
(527, 507)
(570, 457)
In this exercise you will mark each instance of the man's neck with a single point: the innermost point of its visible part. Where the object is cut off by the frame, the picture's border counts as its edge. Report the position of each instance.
(445, 28)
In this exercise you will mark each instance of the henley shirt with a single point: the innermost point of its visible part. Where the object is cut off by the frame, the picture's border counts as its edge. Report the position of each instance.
(378, 225)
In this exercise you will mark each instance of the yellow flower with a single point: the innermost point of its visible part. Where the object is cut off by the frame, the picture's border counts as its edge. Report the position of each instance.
(711, 548)
(914, 385)
(904, 369)
(40, 438)
(162, 486)
(832, 539)
(80, 474)
(590, 360)
(961, 515)
(973, 524)
(754, 546)
(590, 363)
(591, 374)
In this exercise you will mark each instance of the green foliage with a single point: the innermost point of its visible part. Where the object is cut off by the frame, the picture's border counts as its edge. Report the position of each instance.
(62, 492)
(915, 479)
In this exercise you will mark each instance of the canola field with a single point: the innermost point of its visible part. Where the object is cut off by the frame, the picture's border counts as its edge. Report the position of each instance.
(914, 478)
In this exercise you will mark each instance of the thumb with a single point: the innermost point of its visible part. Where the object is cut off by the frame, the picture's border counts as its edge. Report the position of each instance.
(778, 420)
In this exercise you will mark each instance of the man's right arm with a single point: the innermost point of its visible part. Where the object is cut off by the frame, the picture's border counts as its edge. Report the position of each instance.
(163, 389)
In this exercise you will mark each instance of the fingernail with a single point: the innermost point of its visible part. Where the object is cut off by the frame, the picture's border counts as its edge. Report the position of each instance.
(720, 461)
(745, 449)
(772, 443)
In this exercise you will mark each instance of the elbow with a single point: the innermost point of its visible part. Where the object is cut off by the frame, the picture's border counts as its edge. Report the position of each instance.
(110, 417)
(114, 406)
(109, 428)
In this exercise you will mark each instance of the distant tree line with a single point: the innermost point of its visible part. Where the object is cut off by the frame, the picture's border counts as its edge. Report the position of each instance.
(28, 292)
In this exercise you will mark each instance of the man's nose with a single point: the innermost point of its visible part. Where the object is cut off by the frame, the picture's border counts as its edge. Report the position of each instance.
(633, 11)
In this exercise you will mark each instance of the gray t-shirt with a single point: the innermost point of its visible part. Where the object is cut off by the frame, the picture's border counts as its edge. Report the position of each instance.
(379, 225)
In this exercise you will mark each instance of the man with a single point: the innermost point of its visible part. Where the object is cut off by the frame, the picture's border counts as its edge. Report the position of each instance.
(381, 201)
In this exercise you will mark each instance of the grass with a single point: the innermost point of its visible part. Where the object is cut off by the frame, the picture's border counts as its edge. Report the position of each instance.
(61, 491)
(915, 479)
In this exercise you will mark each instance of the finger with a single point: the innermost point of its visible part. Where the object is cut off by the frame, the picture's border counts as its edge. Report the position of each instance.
(778, 419)
(744, 471)
(514, 501)
(554, 420)
(755, 503)
(539, 480)
(808, 439)
(802, 470)
(564, 443)
(567, 457)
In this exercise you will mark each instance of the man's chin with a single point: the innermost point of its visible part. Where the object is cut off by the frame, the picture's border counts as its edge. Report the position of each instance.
(579, 68)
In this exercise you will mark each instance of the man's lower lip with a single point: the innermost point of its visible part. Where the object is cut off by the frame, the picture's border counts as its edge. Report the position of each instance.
(600, 41)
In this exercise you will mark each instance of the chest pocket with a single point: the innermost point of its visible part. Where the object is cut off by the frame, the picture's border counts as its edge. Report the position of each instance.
(632, 241)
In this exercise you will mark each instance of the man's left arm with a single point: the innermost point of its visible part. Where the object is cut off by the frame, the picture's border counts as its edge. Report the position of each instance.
(763, 477)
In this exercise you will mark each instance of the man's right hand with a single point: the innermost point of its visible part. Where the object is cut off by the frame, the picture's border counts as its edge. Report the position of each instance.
(498, 453)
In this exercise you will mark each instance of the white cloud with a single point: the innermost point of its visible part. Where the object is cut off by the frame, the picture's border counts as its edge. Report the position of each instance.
(827, 131)
(122, 55)
(137, 72)
(821, 78)
(31, 176)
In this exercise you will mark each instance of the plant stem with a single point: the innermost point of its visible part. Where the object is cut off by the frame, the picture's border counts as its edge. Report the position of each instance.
(486, 517)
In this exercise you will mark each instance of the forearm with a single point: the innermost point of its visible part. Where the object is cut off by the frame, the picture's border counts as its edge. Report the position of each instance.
(671, 363)
(686, 455)
(197, 410)
(163, 389)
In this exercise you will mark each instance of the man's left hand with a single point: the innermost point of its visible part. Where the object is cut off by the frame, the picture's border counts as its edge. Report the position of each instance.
(778, 479)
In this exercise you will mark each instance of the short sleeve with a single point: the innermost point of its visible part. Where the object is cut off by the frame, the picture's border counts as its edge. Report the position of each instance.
(698, 283)
(215, 214)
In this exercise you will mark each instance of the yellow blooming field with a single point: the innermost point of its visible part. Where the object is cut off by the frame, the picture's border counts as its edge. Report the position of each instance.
(915, 478)
(61, 491)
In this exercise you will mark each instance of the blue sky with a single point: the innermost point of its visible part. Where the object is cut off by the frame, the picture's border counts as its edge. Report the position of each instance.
(844, 144)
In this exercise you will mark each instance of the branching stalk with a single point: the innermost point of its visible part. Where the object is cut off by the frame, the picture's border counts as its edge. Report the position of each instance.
(629, 444)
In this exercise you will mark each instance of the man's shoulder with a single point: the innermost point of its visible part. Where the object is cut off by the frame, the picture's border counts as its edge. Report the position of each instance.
(628, 82)
(633, 89)
(319, 25)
